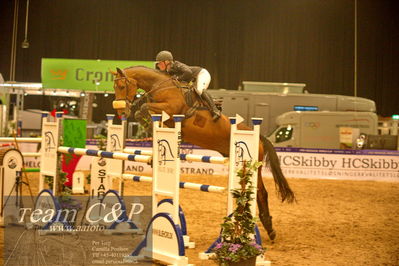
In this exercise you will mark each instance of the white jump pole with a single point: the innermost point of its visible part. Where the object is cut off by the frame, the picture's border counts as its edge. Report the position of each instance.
(21, 139)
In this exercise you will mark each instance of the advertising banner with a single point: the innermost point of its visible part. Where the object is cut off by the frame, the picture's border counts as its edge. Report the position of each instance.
(87, 75)
(377, 165)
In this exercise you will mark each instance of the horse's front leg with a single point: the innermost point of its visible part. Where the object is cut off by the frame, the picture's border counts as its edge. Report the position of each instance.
(144, 114)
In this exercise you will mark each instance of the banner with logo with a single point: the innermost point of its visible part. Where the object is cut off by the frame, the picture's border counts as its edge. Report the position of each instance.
(79, 74)
(377, 165)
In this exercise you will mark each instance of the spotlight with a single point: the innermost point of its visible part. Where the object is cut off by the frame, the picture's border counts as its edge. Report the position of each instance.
(82, 94)
(106, 94)
(25, 93)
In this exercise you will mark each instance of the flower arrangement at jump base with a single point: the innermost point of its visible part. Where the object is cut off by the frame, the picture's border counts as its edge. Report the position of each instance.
(237, 245)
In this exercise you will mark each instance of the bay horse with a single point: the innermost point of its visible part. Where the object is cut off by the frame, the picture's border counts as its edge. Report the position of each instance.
(162, 93)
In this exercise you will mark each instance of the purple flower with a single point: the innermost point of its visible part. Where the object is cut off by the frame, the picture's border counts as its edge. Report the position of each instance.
(255, 245)
(234, 247)
(219, 245)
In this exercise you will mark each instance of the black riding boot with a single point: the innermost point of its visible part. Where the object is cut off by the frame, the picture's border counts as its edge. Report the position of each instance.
(214, 110)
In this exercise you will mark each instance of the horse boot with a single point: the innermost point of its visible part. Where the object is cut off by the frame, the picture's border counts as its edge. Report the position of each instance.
(267, 224)
(214, 110)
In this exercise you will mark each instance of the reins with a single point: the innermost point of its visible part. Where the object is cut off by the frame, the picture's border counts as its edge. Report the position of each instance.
(156, 88)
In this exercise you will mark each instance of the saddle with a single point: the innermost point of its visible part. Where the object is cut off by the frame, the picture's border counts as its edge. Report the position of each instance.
(193, 100)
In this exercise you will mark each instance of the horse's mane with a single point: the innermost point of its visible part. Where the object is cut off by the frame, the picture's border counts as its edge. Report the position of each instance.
(155, 71)
(141, 66)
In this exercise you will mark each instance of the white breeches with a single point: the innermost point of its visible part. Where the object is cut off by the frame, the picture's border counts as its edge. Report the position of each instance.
(203, 80)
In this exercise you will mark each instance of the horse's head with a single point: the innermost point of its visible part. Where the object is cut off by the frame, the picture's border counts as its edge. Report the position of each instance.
(125, 91)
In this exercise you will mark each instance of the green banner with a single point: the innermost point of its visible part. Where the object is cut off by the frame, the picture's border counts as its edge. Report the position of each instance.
(88, 75)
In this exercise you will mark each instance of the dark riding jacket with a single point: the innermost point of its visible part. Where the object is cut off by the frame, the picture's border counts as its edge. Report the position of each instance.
(183, 72)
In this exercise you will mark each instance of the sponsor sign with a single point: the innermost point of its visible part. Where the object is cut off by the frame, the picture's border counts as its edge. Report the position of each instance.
(78, 74)
(100, 184)
(296, 162)
(340, 164)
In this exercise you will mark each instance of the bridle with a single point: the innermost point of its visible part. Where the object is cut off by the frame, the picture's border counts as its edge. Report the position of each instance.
(128, 102)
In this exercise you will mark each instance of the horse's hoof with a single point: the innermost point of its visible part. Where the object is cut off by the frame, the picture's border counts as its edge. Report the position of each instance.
(272, 235)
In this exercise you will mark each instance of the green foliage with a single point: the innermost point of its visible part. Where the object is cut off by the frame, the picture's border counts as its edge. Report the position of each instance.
(237, 241)
(101, 142)
(88, 179)
(10, 130)
(65, 199)
(62, 179)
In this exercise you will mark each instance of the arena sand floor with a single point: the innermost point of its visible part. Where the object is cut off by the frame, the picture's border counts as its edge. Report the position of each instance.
(332, 223)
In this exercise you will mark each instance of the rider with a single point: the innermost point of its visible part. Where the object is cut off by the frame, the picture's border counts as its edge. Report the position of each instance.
(182, 72)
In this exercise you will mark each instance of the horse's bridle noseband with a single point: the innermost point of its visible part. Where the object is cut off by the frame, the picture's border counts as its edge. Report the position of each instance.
(123, 103)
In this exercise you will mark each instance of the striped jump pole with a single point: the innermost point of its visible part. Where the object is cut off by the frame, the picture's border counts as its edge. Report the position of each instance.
(106, 154)
(116, 139)
(137, 151)
(204, 158)
(182, 185)
(184, 157)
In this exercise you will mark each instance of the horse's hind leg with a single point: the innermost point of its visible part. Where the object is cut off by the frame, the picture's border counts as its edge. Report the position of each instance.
(263, 206)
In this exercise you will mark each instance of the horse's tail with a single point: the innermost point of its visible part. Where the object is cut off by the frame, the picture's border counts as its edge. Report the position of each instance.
(272, 161)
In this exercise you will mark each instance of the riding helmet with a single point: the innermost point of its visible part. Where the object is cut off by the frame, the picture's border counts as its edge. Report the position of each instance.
(164, 56)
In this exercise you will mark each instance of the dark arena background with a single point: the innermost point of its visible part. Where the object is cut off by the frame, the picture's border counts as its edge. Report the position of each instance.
(340, 47)
(303, 41)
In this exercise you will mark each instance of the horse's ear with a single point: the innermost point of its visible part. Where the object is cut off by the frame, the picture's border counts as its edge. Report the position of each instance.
(120, 72)
(112, 72)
